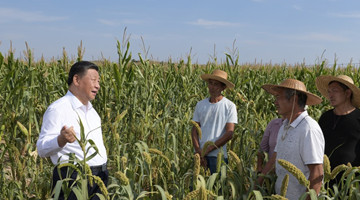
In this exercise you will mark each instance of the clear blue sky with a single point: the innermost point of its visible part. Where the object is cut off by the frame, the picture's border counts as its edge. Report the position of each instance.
(274, 31)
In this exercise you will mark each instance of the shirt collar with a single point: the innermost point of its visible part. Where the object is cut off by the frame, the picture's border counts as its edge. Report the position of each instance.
(297, 120)
(76, 103)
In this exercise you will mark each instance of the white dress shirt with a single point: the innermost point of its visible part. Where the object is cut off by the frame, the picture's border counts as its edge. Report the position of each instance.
(66, 111)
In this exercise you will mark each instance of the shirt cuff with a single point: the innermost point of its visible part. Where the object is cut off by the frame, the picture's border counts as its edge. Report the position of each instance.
(54, 143)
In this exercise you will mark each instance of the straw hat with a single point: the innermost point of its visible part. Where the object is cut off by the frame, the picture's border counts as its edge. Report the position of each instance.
(312, 99)
(218, 75)
(322, 84)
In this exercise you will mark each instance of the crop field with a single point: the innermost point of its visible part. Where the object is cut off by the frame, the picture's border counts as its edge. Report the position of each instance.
(146, 109)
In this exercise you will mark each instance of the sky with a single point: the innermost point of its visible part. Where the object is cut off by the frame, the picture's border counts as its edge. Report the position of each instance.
(257, 31)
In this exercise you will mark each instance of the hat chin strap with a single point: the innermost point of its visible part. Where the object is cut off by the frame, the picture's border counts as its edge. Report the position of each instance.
(293, 107)
(288, 124)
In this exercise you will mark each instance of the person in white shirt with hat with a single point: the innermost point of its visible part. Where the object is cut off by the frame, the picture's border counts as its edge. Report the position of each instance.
(216, 116)
(300, 140)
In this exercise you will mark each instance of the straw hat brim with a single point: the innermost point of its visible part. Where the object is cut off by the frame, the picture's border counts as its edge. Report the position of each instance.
(322, 84)
(312, 99)
(206, 77)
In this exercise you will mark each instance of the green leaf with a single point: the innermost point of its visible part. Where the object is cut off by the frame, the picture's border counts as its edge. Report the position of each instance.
(57, 189)
(233, 189)
(22, 128)
(162, 192)
(257, 195)
(143, 194)
(128, 190)
(82, 130)
(211, 181)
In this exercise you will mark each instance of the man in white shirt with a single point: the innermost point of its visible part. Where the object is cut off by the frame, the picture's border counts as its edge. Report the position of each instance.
(61, 125)
(216, 117)
(300, 140)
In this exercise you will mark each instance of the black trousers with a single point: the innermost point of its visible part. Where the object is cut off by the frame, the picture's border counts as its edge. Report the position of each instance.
(100, 171)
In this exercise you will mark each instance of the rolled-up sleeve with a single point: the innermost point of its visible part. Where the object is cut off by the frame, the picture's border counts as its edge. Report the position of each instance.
(47, 144)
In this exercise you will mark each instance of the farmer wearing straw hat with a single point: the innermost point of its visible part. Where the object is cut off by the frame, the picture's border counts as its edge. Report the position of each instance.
(300, 140)
(341, 125)
(216, 116)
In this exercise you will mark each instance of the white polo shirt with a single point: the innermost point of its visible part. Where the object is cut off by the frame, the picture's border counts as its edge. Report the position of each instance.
(303, 144)
(66, 111)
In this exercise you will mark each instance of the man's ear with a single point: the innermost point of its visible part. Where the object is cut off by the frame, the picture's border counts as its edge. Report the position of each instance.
(76, 79)
(348, 93)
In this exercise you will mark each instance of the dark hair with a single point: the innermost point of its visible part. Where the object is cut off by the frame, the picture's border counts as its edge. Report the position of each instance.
(80, 68)
(223, 84)
(343, 86)
(302, 97)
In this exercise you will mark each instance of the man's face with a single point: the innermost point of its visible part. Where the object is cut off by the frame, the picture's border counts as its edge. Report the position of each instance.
(88, 85)
(215, 87)
(337, 94)
(282, 104)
